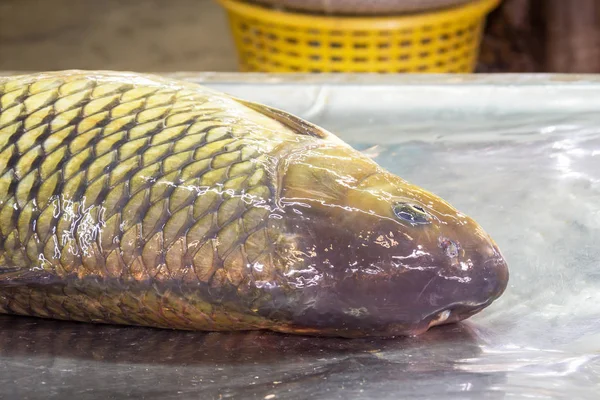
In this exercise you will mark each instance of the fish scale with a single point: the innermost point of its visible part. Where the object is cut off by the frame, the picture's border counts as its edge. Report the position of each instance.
(132, 185)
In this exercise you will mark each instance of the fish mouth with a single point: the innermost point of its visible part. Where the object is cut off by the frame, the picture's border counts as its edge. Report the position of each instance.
(489, 282)
(454, 314)
(446, 316)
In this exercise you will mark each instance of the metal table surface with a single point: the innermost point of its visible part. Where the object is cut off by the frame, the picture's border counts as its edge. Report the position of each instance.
(521, 154)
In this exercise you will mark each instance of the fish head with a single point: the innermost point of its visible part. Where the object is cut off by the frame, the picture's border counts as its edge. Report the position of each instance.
(378, 255)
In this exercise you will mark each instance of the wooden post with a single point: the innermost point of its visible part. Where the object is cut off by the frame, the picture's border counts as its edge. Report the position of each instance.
(511, 43)
(572, 36)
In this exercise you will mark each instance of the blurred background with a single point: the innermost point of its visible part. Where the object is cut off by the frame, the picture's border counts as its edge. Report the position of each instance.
(144, 35)
(294, 35)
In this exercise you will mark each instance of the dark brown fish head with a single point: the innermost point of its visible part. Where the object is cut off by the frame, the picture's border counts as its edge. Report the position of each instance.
(379, 256)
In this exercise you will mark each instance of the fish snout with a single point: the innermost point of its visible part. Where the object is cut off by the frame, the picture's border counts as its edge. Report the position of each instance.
(474, 280)
(493, 276)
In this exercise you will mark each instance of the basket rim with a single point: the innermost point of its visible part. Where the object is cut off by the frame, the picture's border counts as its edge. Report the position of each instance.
(471, 10)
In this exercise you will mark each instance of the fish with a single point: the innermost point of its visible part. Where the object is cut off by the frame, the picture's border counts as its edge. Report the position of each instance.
(134, 199)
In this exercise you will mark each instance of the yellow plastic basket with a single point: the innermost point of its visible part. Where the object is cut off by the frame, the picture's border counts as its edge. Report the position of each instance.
(270, 40)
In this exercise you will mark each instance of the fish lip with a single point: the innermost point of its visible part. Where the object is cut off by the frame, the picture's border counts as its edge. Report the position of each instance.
(456, 313)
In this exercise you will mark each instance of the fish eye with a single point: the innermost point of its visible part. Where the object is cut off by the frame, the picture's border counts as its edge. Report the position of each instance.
(411, 213)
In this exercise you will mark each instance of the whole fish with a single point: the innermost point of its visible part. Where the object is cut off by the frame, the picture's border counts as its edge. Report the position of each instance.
(133, 199)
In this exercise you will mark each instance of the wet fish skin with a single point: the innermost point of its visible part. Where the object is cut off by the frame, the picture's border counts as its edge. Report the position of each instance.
(133, 199)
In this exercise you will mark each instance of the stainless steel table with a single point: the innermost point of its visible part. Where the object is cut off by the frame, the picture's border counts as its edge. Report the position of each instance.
(520, 154)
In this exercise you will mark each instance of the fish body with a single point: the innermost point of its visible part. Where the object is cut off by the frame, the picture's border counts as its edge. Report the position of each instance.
(133, 199)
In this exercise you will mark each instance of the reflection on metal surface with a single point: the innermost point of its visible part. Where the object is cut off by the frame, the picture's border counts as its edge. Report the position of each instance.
(159, 363)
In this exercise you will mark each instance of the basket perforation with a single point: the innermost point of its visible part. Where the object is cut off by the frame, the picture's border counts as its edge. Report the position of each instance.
(268, 40)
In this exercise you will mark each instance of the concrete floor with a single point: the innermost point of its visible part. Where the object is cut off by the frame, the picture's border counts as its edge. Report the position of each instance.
(139, 35)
